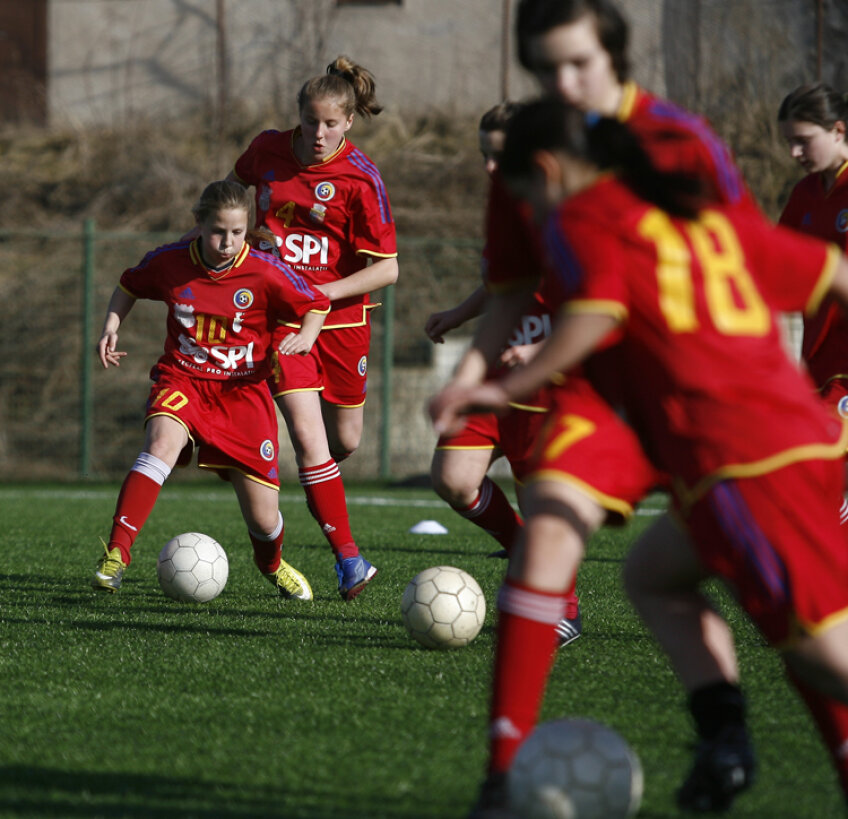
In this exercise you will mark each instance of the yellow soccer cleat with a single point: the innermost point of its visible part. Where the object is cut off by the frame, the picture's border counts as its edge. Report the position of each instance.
(290, 583)
(109, 571)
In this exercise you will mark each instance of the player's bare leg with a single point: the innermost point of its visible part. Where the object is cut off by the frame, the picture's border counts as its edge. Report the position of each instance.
(661, 576)
(265, 527)
(344, 428)
(542, 566)
(319, 475)
(164, 440)
(459, 478)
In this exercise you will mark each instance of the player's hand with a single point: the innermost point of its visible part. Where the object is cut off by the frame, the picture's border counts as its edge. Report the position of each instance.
(449, 407)
(519, 354)
(295, 344)
(107, 350)
(440, 323)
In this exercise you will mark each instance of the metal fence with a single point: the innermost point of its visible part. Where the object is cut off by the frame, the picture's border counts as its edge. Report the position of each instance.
(63, 417)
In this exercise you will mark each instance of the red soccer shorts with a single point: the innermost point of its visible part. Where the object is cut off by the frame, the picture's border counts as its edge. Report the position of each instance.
(337, 365)
(480, 432)
(513, 435)
(776, 539)
(232, 423)
(586, 444)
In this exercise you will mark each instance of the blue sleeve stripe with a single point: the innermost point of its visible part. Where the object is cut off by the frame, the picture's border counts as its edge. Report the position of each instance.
(729, 178)
(357, 158)
(745, 534)
(566, 268)
(295, 279)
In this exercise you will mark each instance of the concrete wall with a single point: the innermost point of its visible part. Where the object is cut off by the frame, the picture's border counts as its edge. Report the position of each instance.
(111, 60)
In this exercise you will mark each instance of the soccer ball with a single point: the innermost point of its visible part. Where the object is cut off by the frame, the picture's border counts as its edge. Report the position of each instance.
(192, 568)
(575, 769)
(443, 607)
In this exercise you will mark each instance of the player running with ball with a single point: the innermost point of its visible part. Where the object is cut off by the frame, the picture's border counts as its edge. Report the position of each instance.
(327, 208)
(755, 460)
(225, 300)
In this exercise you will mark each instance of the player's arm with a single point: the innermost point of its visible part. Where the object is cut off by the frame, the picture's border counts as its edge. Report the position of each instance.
(119, 306)
(503, 311)
(376, 274)
(446, 320)
(573, 338)
(300, 343)
(839, 283)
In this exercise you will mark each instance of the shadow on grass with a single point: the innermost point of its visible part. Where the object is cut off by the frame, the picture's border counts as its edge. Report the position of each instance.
(30, 791)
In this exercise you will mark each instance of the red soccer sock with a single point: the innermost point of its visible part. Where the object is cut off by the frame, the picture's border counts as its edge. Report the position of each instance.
(325, 497)
(135, 503)
(831, 717)
(524, 654)
(267, 549)
(492, 512)
(572, 601)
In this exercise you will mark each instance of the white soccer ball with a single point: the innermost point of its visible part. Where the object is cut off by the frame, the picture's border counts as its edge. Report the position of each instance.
(575, 769)
(192, 568)
(443, 607)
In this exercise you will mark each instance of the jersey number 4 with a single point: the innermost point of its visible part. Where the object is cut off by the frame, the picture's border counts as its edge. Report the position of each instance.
(733, 301)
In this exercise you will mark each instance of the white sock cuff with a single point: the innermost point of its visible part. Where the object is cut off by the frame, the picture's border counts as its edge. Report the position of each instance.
(150, 466)
(274, 535)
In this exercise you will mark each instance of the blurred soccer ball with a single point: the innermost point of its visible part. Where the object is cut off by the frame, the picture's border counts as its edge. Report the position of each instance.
(575, 769)
(192, 568)
(443, 607)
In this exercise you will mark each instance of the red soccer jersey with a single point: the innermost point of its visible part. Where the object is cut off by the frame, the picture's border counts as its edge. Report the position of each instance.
(705, 379)
(219, 325)
(824, 214)
(675, 140)
(329, 215)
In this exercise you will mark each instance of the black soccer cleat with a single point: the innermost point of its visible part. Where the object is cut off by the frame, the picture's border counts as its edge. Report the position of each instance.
(492, 802)
(723, 768)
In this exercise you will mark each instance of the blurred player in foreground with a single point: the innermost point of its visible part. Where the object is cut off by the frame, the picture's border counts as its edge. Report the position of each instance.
(813, 119)
(224, 301)
(461, 461)
(327, 208)
(755, 460)
(591, 469)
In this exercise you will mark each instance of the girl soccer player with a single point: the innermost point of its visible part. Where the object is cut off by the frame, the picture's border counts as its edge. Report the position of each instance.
(753, 457)
(224, 301)
(813, 119)
(460, 462)
(326, 206)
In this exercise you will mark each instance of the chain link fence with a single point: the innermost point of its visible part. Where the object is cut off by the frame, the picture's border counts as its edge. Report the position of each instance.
(61, 415)
(65, 417)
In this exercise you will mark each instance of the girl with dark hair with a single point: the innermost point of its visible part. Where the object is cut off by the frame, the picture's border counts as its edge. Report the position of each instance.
(577, 50)
(224, 301)
(753, 458)
(326, 207)
(813, 119)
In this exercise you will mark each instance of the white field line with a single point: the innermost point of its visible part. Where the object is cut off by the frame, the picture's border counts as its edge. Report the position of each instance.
(649, 508)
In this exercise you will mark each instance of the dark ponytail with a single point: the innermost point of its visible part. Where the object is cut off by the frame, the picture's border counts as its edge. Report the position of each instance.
(549, 124)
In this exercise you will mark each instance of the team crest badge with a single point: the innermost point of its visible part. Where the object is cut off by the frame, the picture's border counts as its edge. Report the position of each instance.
(325, 191)
(842, 220)
(842, 406)
(267, 450)
(243, 298)
(362, 366)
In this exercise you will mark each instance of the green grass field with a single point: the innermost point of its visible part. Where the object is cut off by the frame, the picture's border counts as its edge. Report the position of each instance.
(131, 705)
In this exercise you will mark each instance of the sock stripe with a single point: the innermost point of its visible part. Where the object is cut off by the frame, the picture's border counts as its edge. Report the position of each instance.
(531, 605)
(480, 503)
(319, 474)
